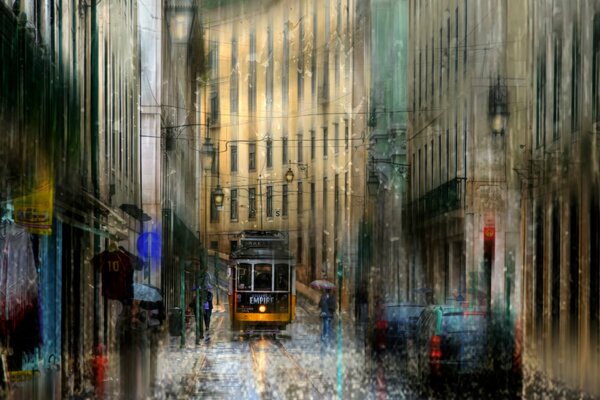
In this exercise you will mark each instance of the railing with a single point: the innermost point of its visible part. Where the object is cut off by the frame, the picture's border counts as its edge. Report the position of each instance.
(447, 197)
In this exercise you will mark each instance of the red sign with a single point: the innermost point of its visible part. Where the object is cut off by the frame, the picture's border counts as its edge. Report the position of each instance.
(489, 232)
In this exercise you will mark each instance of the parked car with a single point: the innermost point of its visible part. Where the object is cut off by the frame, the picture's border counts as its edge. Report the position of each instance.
(450, 343)
(395, 327)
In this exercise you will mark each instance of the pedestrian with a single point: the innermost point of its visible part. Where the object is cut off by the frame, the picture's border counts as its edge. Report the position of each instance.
(156, 317)
(327, 308)
(208, 306)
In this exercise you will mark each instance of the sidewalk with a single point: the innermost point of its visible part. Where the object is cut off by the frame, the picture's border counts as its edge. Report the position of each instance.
(177, 367)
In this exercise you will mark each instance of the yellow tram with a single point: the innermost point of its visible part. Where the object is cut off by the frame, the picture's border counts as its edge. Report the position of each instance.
(262, 289)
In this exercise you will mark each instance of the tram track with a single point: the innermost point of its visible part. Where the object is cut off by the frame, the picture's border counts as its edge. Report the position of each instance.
(277, 343)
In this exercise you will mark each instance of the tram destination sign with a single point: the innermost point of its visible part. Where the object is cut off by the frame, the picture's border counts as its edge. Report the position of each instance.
(261, 298)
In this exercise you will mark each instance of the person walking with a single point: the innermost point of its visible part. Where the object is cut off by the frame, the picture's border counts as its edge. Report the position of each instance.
(327, 308)
(208, 307)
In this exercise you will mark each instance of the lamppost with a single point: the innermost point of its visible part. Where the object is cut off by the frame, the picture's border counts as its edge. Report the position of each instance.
(498, 107)
(218, 197)
(207, 154)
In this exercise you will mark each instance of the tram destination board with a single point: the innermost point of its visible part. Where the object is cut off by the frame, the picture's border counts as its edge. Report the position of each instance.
(250, 302)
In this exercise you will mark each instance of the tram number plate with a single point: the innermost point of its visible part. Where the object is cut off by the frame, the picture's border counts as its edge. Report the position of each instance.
(261, 299)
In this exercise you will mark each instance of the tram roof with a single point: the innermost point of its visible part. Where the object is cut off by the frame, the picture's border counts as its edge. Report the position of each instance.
(261, 253)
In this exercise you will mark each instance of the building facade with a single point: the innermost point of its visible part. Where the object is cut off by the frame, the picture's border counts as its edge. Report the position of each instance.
(386, 128)
(277, 96)
(468, 90)
(69, 167)
(560, 189)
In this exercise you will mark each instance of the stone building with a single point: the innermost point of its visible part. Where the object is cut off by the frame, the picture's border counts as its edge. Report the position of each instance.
(468, 90)
(277, 97)
(68, 113)
(560, 189)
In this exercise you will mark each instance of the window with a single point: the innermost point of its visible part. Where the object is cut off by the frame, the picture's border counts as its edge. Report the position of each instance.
(299, 249)
(555, 295)
(214, 82)
(252, 74)
(575, 77)
(346, 136)
(540, 110)
(346, 191)
(269, 69)
(282, 277)
(300, 58)
(336, 202)
(538, 262)
(557, 85)
(215, 164)
(574, 268)
(313, 198)
(244, 277)
(269, 153)
(432, 69)
(300, 204)
(596, 71)
(234, 158)
(325, 89)
(425, 176)
(285, 73)
(465, 40)
(456, 47)
(284, 200)
(325, 140)
(234, 204)
(325, 201)
(336, 140)
(252, 203)
(300, 151)
(233, 81)
(425, 85)
(420, 73)
(269, 201)
(284, 150)
(313, 58)
(263, 277)
(313, 140)
(252, 157)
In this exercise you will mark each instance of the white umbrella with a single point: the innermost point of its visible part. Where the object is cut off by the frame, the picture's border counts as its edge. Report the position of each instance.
(146, 293)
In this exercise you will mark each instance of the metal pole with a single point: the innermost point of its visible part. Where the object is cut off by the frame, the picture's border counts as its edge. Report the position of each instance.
(182, 301)
(216, 288)
(261, 205)
(199, 333)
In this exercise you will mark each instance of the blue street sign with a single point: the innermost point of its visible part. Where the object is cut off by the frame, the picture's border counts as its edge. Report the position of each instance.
(148, 245)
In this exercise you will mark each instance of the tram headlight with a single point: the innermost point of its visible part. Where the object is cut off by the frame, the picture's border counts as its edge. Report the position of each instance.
(262, 308)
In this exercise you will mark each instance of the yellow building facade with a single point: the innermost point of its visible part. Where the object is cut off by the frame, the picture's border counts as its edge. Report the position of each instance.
(276, 98)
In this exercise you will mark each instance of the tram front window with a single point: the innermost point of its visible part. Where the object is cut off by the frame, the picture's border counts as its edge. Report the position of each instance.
(244, 276)
(263, 277)
(282, 277)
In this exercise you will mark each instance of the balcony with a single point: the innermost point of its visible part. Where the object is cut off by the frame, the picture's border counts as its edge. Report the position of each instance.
(449, 196)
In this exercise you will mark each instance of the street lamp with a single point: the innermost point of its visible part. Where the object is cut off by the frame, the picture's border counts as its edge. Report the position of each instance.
(179, 18)
(218, 196)
(498, 107)
(289, 175)
(207, 154)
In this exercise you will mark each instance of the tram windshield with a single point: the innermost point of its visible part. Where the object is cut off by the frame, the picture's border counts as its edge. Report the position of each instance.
(244, 277)
(263, 277)
(282, 277)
